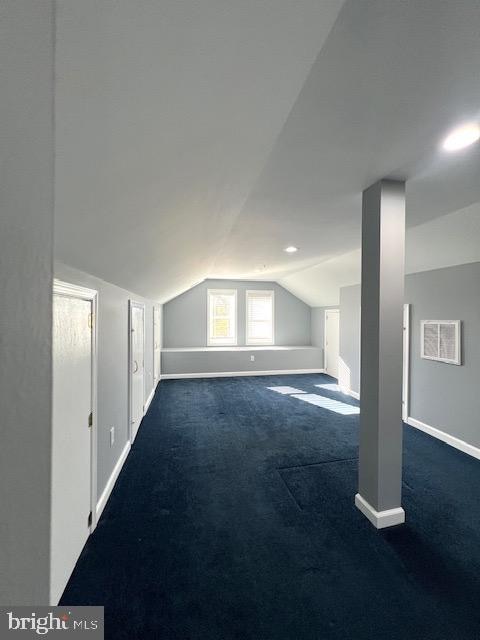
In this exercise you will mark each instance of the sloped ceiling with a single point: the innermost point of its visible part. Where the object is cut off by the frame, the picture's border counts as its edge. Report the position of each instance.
(196, 139)
(443, 242)
(166, 112)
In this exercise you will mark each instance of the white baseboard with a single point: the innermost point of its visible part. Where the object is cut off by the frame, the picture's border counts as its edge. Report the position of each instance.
(350, 392)
(380, 519)
(445, 437)
(148, 400)
(111, 481)
(235, 374)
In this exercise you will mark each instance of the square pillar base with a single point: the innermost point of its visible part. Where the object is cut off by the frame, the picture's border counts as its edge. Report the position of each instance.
(380, 519)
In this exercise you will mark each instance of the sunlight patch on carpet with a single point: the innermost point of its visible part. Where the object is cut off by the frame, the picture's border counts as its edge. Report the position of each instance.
(329, 387)
(329, 404)
(285, 390)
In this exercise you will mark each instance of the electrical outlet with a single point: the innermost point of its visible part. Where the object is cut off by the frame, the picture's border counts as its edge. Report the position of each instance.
(252, 358)
(112, 436)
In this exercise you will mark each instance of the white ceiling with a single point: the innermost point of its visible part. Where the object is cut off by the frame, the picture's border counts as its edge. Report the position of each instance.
(443, 242)
(166, 112)
(197, 140)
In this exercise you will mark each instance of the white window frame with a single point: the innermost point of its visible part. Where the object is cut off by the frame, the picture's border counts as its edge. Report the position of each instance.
(221, 342)
(256, 342)
(458, 336)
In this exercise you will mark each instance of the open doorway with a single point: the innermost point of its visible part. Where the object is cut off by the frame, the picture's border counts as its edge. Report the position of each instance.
(73, 429)
(332, 341)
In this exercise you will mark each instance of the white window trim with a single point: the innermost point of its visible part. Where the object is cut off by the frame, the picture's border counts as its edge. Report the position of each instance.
(225, 342)
(259, 343)
(457, 323)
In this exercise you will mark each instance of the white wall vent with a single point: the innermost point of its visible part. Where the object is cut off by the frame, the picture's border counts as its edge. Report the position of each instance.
(441, 341)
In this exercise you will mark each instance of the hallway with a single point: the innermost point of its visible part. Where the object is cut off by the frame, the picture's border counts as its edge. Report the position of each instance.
(234, 518)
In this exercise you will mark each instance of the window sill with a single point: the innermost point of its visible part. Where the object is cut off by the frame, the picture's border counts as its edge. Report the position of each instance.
(243, 348)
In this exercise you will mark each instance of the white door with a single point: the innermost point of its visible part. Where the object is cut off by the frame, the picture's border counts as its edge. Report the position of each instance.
(137, 366)
(156, 344)
(71, 435)
(332, 336)
(406, 362)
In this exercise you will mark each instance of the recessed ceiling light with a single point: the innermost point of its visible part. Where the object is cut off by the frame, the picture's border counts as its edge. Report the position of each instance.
(291, 249)
(462, 137)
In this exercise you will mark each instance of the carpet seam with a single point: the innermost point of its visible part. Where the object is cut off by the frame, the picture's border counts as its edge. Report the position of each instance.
(313, 464)
(289, 490)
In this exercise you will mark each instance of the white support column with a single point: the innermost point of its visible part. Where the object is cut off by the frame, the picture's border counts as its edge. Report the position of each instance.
(383, 250)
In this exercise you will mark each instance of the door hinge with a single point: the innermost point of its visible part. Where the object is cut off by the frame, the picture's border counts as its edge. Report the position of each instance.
(90, 320)
(90, 420)
(89, 520)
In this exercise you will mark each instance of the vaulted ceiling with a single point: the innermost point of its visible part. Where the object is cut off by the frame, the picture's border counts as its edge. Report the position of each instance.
(198, 139)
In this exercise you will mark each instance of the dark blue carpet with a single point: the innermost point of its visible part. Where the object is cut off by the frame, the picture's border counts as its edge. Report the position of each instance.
(233, 518)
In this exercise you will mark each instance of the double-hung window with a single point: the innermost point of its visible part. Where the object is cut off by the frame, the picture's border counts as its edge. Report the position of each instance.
(222, 317)
(260, 317)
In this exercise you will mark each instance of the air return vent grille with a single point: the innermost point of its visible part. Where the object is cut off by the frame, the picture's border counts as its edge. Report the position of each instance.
(441, 341)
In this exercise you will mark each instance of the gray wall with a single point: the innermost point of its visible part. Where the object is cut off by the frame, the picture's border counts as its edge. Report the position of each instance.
(26, 229)
(185, 317)
(317, 323)
(441, 395)
(112, 363)
(349, 348)
(212, 361)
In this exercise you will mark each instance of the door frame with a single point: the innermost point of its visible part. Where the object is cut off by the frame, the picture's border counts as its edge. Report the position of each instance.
(68, 290)
(156, 378)
(406, 363)
(325, 357)
(132, 304)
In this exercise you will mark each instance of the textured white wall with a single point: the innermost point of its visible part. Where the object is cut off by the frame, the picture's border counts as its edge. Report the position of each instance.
(26, 230)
